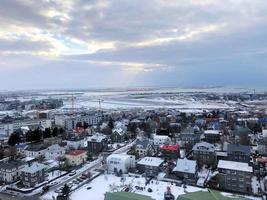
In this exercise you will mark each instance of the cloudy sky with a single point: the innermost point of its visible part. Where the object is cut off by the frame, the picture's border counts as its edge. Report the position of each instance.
(128, 43)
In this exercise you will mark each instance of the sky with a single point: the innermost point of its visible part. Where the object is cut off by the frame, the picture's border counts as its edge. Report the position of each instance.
(53, 44)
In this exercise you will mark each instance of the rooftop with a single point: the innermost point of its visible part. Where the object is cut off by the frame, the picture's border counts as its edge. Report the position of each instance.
(151, 161)
(184, 165)
(126, 196)
(76, 152)
(232, 165)
(35, 167)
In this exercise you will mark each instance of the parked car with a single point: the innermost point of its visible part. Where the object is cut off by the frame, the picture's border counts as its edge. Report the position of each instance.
(72, 173)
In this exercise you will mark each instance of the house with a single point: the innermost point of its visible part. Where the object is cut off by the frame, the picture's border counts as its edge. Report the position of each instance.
(142, 147)
(125, 196)
(186, 170)
(150, 165)
(241, 135)
(54, 152)
(170, 151)
(76, 157)
(10, 171)
(235, 176)
(35, 150)
(212, 136)
(204, 153)
(262, 147)
(33, 174)
(239, 153)
(97, 143)
(118, 135)
(189, 138)
(120, 163)
(76, 142)
(159, 140)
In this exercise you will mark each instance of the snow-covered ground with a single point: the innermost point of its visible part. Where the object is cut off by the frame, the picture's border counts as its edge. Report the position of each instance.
(110, 183)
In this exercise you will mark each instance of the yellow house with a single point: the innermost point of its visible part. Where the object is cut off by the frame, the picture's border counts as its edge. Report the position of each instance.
(76, 157)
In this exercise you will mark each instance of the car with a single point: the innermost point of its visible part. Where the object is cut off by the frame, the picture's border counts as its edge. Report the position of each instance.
(72, 173)
(89, 188)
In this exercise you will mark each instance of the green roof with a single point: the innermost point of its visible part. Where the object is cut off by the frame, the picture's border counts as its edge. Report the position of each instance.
(125, 196)
(210, 195)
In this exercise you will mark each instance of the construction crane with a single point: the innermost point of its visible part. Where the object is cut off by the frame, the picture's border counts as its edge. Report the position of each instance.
(72, 98)
(99, 103)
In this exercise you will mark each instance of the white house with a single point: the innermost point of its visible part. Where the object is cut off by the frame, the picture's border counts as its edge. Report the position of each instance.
(120, 162)
(10, 171)
(76, 143)
(55, 151)
(161, 140)
(35, 151)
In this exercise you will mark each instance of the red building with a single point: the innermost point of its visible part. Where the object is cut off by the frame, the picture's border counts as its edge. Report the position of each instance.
(170, 151)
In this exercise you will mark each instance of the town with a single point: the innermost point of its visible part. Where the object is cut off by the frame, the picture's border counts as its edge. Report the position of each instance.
(214, 147)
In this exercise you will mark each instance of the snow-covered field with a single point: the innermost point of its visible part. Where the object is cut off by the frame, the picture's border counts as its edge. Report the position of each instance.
(109, 183)
(140, 100)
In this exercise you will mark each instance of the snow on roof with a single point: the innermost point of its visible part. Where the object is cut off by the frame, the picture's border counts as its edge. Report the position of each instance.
(184, 165)
(215, 132)
(232, 165)
(35, 167)
(119, 157)
(161, 137)
(151, 161)
(96, 138)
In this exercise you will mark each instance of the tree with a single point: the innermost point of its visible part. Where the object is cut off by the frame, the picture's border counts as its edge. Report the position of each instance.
(14, 139)
(36, 135)
(47, 133)
(66, 190)
(55, 132)
(111, 123)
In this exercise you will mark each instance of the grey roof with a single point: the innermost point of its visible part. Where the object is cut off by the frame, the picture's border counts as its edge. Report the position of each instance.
(187, 166)
(35, 167)
(240, 148)
(241, 130)
(204, 146)
(36, 147)
(97, 138)
(151, 161)
(10, 164)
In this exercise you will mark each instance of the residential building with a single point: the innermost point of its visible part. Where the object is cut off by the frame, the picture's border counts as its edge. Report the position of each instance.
(97, 143)
(235, 176)
(212, 136)
(170, 151)
(35, 150)
(186, 170)
(188, 138)
(142, 147)
(54, 152)
(204, 153)
(33, 174)
(159, 140)
(150, 165)
(76, 157)
(120, 163)
(76, 142)
(10, 171)
(238, 153)
(70, 122)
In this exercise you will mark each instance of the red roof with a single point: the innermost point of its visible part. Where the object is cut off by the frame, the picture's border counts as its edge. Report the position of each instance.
(76, 152)
(261, 159)
(170, 147)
